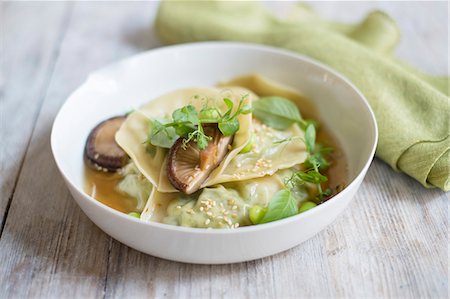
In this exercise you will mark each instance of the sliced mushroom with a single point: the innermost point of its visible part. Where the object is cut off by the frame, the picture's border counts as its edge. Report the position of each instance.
(188, 167)
(102, 152)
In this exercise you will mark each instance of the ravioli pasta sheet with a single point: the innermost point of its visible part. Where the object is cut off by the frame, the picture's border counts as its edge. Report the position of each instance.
(134, 132)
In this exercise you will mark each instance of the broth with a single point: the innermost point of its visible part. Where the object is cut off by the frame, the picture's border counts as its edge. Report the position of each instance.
(102, 186)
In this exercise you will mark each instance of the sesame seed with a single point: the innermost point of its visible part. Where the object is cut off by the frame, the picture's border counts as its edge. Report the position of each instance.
(201, 209)
(178, 207)
(207, 221)
(234, 207)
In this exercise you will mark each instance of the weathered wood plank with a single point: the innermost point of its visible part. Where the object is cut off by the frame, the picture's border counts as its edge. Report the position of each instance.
(49, 248)
(30, 38)
(391, 242)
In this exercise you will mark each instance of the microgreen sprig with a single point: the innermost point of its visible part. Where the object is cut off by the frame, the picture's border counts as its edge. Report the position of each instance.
(187, 122)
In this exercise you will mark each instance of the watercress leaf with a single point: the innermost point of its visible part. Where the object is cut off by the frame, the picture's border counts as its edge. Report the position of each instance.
(276, 112)
(183, 129)
(282, 205)
(246, 109)
(229, 127)
(317, 177)
(178, 115)
(185, 114)
(209, 115)
(310, 138)
(229, 103)
(317, 159)
(162, 136)
(191, 113)
(311, 176)
(202, 141)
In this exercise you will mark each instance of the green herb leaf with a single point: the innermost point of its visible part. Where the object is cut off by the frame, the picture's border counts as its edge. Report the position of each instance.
(185, 114)
(187, 123)
(209, 115)
(282, 205)
(183, 129)
(202, 141)
(161, 135)
(310, 138)
(229, 127)
(246, 109)
(317, 159)
(325, 193)
(311, 176)
(229, 103)
(277, 112)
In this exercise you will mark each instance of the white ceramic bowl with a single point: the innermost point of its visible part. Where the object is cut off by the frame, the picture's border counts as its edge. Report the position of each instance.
(136, 80)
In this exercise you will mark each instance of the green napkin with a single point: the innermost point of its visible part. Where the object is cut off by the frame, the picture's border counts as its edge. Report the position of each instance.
(412, 108)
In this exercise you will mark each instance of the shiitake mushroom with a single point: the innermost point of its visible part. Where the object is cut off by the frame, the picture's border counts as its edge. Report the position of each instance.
(101, 151)
(188, 166)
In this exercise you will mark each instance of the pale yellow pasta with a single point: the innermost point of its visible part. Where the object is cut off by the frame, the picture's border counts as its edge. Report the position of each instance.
(134, 132)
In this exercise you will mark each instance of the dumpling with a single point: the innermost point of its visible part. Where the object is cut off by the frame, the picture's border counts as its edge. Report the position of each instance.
(220, 206)
(133, 134)
(273, 150)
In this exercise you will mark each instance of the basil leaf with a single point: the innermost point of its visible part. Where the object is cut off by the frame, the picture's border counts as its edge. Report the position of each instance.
(282, 205)
(277, 112)
(229, 127)
(310, 138)
(162, 136)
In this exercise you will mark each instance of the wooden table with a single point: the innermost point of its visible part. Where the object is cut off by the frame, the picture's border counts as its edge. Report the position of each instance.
(391, 242)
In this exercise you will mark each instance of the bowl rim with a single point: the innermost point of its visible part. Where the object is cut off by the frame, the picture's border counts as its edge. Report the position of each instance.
(245, 229)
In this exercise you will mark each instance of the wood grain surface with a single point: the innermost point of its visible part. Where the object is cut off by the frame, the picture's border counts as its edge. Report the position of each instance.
(391, 242)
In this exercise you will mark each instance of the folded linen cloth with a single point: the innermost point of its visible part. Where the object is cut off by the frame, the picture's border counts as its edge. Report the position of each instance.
(411, 107)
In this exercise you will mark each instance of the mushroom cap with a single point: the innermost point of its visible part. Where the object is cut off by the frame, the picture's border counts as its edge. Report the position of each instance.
(101, 151)
(188, 166)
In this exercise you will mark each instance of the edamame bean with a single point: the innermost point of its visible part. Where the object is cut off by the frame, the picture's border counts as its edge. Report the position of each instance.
(306, 205)
(256, 213)
(135, 214)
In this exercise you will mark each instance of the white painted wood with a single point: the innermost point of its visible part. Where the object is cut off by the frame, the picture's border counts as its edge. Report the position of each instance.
(27, 60)
(391, 242)
(48, 248)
